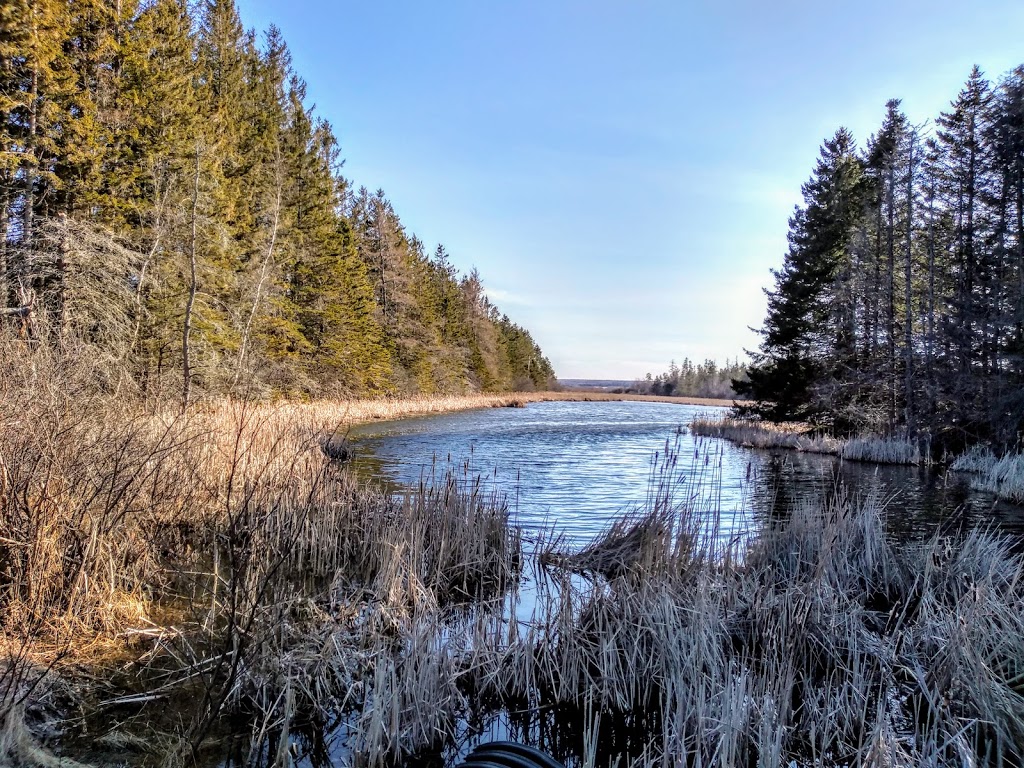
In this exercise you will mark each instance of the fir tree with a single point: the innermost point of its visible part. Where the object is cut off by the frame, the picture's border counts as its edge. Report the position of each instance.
(808, 330)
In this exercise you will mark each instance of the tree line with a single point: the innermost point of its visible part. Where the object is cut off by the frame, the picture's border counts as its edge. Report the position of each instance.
(707, 379)
(169, 198)
(899, 306)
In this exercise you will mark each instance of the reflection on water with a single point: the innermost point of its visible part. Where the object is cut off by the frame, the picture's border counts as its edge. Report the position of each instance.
(571, 467)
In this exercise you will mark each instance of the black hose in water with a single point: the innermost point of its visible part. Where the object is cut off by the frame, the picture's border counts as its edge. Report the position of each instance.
(508, 754)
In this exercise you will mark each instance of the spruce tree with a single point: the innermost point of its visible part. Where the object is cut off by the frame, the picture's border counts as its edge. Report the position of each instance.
(808, 331)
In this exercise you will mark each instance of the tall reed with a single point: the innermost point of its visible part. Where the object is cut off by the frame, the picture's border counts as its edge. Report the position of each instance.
(1002, 476)
(185, 578)
(825, 644)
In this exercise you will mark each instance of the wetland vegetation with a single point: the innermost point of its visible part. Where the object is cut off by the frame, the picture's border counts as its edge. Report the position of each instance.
(211, 586)
(196, 306)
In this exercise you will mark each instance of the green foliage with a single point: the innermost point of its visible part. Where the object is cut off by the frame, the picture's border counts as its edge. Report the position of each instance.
(899, 308)
(171, 134)
(806, 313)
(707, 379)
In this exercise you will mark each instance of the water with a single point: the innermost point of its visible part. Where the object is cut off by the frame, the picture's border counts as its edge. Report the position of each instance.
(573, 467)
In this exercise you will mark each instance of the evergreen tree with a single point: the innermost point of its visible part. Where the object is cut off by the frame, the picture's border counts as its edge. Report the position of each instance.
(963, 168)
(809, 332)
(159, 143)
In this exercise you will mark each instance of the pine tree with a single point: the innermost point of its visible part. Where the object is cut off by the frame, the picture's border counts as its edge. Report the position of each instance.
(1006, 136)
(158, 134)
(963, 166)
(34, 101)
(886, 170)
(809, 331)
(329, 291)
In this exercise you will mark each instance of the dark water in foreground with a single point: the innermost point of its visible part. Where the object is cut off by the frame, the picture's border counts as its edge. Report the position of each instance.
(572, 467)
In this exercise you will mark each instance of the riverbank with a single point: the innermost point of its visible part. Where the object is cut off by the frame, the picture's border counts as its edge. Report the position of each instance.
(332, 415)
(801, 437)
(212, 584)
(153, 541)
(1002, 476)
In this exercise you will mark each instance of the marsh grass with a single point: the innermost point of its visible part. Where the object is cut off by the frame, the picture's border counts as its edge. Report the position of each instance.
(169, 581)
(824, 645)
(1002, 476)
(221, 555)
(799, 437)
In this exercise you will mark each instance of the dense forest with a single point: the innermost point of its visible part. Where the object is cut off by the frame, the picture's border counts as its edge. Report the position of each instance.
(899, 307)
(169, 199)
(707, 379)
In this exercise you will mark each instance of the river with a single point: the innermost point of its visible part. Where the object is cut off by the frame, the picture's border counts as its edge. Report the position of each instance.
(572, 467)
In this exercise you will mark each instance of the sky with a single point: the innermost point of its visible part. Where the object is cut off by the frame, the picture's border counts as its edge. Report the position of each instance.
(621, 173)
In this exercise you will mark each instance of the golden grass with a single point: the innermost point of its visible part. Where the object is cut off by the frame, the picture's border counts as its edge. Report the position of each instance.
(326, 416)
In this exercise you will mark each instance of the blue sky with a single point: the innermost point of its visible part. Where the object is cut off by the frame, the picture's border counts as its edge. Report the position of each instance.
(621, 173)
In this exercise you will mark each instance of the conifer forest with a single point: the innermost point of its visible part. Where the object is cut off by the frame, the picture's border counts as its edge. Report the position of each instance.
(170, 199)
(899, 306)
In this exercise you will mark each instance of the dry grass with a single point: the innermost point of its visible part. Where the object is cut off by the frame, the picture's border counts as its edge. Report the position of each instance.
(883, 450)
(825, 645)
(799, 437)
(208, 550)
(182, 577)
(1003, 476)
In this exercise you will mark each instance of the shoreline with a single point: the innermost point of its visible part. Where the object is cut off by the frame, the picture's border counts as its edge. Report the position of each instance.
(233, 530)
(340, 414)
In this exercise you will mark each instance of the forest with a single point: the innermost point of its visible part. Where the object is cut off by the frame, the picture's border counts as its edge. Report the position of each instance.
(686, 379)
(172, 204)
(899, 306)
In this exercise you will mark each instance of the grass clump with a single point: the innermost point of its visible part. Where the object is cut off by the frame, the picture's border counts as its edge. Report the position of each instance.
(215, 572)
(823, 644)
(1002, 476)
(881, 450)
(799, 437)
(209, 583)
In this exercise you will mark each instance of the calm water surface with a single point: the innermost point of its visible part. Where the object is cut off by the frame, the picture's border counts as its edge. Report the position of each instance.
(572, 467)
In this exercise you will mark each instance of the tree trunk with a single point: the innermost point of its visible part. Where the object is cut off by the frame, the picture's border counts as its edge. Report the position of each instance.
(908, 360)
(264, 273)
(890, 242)
(186, 351)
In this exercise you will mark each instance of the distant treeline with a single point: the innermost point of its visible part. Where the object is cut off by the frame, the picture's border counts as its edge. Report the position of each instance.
(168, 196)
(899, 307)
(705, 379)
